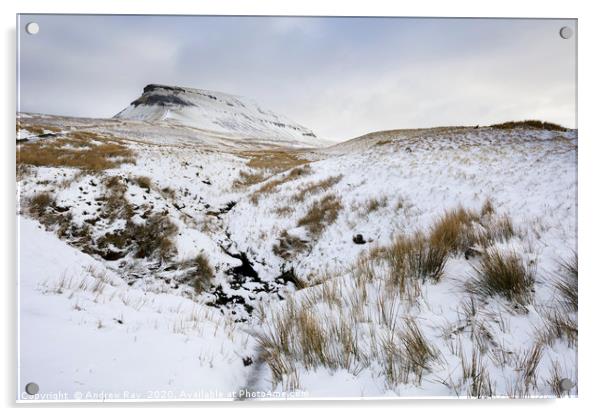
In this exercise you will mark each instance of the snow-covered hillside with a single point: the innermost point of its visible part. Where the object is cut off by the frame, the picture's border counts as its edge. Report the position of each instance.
(359, 269)
(215, 111)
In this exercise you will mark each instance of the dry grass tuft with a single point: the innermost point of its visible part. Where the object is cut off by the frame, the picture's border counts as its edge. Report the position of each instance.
(498, 228)
(115, 204)
(374, 204)
(487, 209)
(406, 355)
(204, 273)
(413, 258)
(36, 129)
(143, 181)
(418, 352)
(40, 203)
(264, 164)
(284, 211)
(315, 187)
(154, 237)
(246, 179)
(506, 275)
(567, 285)
(454, 232)
(559, 325)
(528, 364)
(269, 187)
(321, 214)
(475, 374)
(555, 380)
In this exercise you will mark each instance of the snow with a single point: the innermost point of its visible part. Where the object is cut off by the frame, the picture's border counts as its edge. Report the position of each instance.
(169, 339)
(122, 343)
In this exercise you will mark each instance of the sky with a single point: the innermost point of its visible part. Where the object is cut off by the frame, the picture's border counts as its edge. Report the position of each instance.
(340, 77)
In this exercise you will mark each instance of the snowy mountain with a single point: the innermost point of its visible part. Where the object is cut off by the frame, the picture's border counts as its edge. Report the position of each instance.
(214, 111)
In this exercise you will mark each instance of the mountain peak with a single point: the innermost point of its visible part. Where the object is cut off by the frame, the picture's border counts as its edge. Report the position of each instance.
(215, 111)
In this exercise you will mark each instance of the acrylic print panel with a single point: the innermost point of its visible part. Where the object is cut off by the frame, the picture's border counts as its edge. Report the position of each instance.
(296, 207)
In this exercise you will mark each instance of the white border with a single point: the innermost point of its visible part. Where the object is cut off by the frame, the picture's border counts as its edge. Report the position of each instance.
(589, 173)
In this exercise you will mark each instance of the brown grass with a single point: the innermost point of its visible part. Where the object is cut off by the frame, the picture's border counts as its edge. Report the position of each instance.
(487, 209)
(529, 124)
(475, 373)
(316, 187)
(567, 284)
(498, 228)
(273, 160)
(413, 259)
(284, 210)
(321, 214)
(270, 187)
(246, 179)
(39, 203)
(418, 352)
(115, 204)
(154, 237)
(36, 129)
(203, 274)
(143, 181)
(528, 363)
(264, 164)
(374, 204)
(289, 246)
(557, 324)
(76, 151)
(504, 274)
(454, 232)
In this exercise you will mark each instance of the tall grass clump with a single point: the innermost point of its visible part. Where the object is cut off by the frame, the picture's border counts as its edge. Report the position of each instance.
(406, 355)
(454, 231)
(154, 237)
(39, 203)
(412, 259)
(504, 274)
(560, 320)
(143, 182)
(203, 273)
(567, 284)
(321, 214)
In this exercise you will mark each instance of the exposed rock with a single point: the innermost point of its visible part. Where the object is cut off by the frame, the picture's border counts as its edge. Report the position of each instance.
(359, 239)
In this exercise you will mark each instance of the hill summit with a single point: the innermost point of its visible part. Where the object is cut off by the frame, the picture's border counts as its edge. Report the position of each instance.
(214, 111)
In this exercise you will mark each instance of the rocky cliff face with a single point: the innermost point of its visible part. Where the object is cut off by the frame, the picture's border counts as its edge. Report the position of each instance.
(214, 111)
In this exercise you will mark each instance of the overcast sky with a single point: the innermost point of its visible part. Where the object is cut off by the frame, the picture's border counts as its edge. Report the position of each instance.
(340, 77)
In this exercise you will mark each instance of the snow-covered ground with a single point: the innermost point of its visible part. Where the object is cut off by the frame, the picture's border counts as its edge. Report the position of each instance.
(114, 321)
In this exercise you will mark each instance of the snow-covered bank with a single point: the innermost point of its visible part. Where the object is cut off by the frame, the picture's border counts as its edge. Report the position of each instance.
(84, 331)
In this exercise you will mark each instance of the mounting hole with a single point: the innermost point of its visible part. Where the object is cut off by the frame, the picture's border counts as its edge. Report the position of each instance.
(32, 388)
(32, 28)
(566, 384)
(566, 32)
